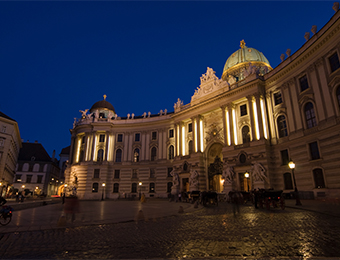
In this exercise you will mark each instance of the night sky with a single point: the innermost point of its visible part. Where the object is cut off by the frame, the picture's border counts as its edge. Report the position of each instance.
(61, 57)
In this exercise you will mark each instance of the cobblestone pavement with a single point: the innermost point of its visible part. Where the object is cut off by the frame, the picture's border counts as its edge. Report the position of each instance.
(212, 232)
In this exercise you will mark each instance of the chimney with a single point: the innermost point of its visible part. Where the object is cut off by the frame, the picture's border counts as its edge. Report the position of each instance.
(53, 155)
(36, 141)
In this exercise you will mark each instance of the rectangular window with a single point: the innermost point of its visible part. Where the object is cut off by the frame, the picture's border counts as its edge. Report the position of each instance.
(29, 178)
(303, 83)
(314, 151)
(190, 128)
(277, 98)
(17, 177)
(120, 138)
(117, 174)
(39, 180)
(284, 157)
(169, 171)
(334, 62)
(116, 188)
(96, 173)
(152, 173)
(243, 110)
(102, 138)
(134, 174)
(137, 137)
(171, 133)
(2, 142)
(154, 136)
(95, 187)
(3, 129)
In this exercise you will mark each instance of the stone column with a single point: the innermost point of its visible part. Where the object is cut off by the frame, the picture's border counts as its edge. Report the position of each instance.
(224, 125)
(143, 145)
(73, 138)
(251, 116)
(86, 153)
(126, 146)
(297, 119)
(147, 146)
(179, 138)
(271, 126)
(93, 146)
(259, 115)
(107, 146)
(230, 107)
(160, 143)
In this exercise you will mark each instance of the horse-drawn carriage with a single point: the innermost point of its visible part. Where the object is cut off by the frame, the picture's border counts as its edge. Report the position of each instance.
(209, 198)
(270, 198)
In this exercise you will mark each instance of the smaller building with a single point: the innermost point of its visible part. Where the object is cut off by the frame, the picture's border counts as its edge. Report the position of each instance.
(10, 144)
(36, 173)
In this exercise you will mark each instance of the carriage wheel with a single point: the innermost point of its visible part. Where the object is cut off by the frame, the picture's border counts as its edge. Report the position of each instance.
(267, 203)
(282, 204)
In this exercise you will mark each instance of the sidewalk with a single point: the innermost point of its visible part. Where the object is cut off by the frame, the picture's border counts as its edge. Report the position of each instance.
(326, 206)
(91, 213)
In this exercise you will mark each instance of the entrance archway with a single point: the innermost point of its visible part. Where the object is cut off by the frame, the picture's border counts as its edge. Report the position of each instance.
(215, 167)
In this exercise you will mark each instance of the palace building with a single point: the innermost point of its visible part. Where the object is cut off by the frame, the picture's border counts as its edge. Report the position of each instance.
(238, 132)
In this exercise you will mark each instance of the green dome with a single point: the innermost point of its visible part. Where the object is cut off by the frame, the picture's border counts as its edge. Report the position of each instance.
(244, 56)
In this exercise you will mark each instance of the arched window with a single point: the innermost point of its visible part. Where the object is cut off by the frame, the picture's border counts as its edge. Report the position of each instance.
(338, 96)
(310, 115)
(190, 146)
(318, 178)
(36, 167)
(245, 134)
(282, 126)
(171, 152)
(136, 155)
(133, 187)
(100, 155)
(287, 177)
(95, 187)
(153, 153)
(116, 188)
(152, 187)
(25, 167)
(119, 155)
(168, 187)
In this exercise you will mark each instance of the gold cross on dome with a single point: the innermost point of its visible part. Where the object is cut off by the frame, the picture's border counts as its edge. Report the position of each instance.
(104, 96)
(242, 44)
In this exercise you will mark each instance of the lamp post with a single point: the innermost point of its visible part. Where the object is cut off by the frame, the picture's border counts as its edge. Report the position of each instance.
(140, 189)
(247, 177)
(291, 165)
(103, 185)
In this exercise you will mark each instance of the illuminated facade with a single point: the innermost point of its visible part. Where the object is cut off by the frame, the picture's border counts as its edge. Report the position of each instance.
(253, 119)
(10, 144)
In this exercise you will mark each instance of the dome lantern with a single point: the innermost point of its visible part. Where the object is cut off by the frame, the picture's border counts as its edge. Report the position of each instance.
(238, 63)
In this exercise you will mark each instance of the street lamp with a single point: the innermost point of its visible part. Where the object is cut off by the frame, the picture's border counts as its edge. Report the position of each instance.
(291, 165)
(140, 189)
(103, 185)
(247, 177)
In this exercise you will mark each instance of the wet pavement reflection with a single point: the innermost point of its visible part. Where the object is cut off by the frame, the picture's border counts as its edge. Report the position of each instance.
(207, 233)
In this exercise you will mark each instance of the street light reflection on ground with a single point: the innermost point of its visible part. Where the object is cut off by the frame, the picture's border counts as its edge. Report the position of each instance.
(247, 177)
(291, 165)
(103, 185)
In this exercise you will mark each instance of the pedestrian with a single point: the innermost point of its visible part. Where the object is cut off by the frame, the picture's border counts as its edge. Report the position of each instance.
(236, 198)
(71, 207)
(179, 197)
(256, 198)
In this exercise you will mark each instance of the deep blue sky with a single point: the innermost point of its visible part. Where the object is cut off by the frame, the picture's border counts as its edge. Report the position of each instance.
(57, 58)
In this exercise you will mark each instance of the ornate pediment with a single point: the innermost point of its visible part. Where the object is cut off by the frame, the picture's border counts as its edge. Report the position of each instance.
(209, 83)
